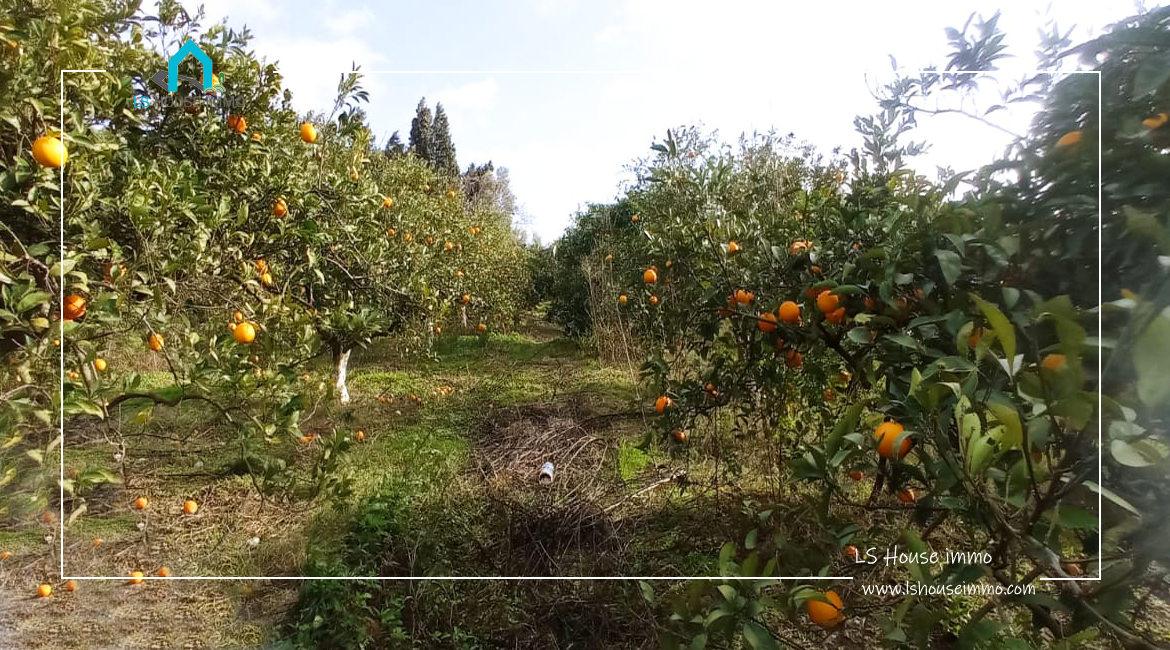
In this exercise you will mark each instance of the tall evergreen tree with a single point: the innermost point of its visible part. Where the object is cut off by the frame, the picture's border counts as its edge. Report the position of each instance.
(442, 147)
(394, 146)
(420, 132)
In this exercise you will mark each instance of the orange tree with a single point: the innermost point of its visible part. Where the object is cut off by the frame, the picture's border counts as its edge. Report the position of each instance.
(964, 334)
(232, 240)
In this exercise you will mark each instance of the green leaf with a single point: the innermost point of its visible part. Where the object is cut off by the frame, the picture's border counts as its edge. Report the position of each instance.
(950, 264)
(758, 638)
(846, 425)
(1007, 415)
(905, 341)
(1151, 74)
(1150, 354)
(1140, 453)
(1005, 334)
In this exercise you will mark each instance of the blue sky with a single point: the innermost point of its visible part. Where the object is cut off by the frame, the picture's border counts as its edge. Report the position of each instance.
(733, 65)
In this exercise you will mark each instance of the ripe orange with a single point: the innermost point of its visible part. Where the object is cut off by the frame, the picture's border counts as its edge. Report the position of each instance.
(609, 258)
(308, 133)
(975, 337)
(49, 151)
(1155, 121)
(238, 316)
(448, 246)
(623, 299)
(164, 572)
(244, 333)
(767, 322)
(1054, 362)
(869, 303)
(257, 137)
(744, 297)
(837, 316)
(450, 194)
(798, 247)
(390, 232)
(827, 301)
(155, 341)
(732, 248)
(237, 123)
(886, 434)
(852, 553)
(387, 202)
(829, 394)
(458, 273)
(266, 279)
(4, 555)
(438, 330)
(97, 541)
(906, 495)
(465, 299)
(856, 475)
(826, 614)
(73, 374)
(793, 359)
(280, 208)
(653, 300)
(70, 585)
(481, 328)
(137, 577)
(650, 276)
(141, 503)
(74, 307)
(662, 403)
(360, 435)
(190, 506)
(679, 435)
(113, 272)
(815, 269)
(634, 218)
(45, 590)
(790, 312)
(232, 326)
(1072, 569)
(47, 517)
(1069, 139)
(307, 438)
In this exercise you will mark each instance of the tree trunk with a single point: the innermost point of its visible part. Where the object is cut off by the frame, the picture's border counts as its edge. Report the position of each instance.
(341, 362)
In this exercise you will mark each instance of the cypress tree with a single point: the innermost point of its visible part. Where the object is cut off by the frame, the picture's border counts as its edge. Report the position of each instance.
(442, 146)
(394, 146)
(420, 132)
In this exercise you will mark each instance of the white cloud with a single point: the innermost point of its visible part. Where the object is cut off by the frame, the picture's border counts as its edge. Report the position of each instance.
(348, 22)
(471, 102)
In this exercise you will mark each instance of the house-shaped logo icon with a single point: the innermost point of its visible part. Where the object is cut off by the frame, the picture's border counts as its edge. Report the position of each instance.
(171, 76)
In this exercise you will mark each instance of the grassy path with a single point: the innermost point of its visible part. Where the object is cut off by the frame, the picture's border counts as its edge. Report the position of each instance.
(427, 455)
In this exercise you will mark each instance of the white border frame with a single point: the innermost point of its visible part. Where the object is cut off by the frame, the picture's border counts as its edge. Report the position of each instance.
(523, 578)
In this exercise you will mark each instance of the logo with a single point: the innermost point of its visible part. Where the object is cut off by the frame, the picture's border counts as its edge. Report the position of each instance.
(142, 101)
(170, 77)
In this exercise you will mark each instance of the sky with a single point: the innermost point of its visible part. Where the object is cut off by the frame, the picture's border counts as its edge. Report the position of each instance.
(733, 66)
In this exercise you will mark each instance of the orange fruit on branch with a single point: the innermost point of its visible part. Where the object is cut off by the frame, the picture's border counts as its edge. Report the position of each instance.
(662, 403)
(280, 208)
(653, 300)
(732, 248)
(790, 312)
(155, 341)
(837, 316)
(190, 506)
(481, 328)
(650, 276)
(906, 495)
(308, 133)
(70, 585)
(244, 333)
(1054, 362)
(73, 308)
(360, 435)
(237, 123)
(886, 434)
(852, 553)
(827, 301)
(137, 577)
(679, 435)
(45, 590)
(164, 572)
(141, 503)
(856, 475)
(623, 299)
(767, 322)
(744, 297)
(793, 359)
(1070, 139)
(49, 151)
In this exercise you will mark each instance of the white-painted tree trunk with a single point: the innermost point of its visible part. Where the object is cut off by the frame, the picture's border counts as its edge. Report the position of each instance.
(342, 365)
